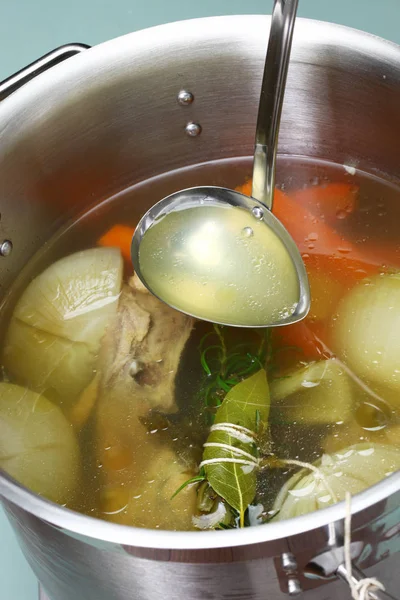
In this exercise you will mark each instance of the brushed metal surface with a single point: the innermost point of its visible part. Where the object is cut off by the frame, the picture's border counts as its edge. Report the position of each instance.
(73, 567)
(42, 594)
(109, 118)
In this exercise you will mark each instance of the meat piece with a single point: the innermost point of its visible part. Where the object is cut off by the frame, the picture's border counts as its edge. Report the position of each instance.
(140, 477)
(138, 364)
(141, 352)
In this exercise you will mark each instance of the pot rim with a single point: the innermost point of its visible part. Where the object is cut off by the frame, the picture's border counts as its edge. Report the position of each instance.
(76, 68)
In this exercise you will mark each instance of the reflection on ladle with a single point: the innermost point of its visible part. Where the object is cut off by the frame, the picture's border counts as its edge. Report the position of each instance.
(218, 255)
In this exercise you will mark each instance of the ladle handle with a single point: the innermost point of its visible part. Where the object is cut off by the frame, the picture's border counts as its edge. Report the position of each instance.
(271, 100)
(14, 82)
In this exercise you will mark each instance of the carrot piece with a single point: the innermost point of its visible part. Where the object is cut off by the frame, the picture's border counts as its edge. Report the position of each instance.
(315, 237)
(331, 202)
(304, 340)
(309, 232)
(119, 236)
(245, 188)
(81, 411)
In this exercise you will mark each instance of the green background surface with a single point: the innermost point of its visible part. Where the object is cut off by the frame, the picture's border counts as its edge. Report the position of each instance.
(30, 28)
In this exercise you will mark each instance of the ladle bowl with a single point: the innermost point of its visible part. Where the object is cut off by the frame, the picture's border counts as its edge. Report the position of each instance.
(250, 247)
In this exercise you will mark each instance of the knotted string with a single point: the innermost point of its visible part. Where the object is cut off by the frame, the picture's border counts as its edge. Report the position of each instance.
(360, 590)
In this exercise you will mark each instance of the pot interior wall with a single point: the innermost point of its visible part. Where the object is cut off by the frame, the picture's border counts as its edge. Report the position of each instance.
(109, 117)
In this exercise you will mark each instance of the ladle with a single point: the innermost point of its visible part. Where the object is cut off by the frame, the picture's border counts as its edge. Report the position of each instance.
(217, 254)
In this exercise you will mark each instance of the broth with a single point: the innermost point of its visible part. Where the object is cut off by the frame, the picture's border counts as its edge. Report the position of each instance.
(139, 387)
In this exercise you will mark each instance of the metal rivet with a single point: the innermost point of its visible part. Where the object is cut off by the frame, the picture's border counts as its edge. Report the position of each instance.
(289, 564)
(193, 129)
(185, 98)
(294, 587)
(6, 248)
(258, 212)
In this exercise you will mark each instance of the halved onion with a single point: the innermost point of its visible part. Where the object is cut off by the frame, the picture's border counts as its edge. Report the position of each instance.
(352, 469)
(74, 297)
(318, 393)
(38, 446)
(57, 325)
(366, 331)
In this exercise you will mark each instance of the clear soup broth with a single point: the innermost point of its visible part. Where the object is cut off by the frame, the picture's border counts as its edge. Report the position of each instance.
(119, 407)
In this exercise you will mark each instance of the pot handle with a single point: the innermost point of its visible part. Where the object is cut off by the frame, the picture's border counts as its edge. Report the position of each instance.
(358, 575)
(14, 82)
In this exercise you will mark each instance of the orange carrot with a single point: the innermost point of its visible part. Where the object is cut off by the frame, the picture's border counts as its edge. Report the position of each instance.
(315, 237)
(119, 236)
(304, 338)
(331, 202)
(309, 232)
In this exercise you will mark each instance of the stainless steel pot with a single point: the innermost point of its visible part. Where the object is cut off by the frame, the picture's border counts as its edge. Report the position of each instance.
(114, 115)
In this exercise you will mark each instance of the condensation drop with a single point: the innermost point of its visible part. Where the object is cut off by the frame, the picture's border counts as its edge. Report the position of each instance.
(247, 231)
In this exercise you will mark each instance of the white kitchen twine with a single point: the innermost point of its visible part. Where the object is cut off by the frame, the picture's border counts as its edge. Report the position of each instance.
(244, 435)
(360, 590)
(237, 431)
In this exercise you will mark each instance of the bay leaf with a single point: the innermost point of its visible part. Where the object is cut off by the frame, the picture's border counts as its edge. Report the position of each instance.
(246, 405)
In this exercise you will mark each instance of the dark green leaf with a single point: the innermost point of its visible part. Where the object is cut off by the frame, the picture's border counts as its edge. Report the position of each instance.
(247, 405)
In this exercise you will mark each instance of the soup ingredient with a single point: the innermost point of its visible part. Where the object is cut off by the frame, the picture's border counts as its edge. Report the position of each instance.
(220, 256)
(140, 493)
(326, 250)
(57, 325)
(216, 515)
(371, 421)
(366, 331)
(226, 362)
(142, 349)
(75, 297)
(318, 393)
(352, 469)
(138, 364)
(352, 433)
(311, 234)
(50, 364)
(119, 236)
(392, 435)
(330, 201)
(230, 458)
(80, 412)
(301, 339)
(38, 446)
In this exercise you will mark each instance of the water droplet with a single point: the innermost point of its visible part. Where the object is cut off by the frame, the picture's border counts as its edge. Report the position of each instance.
(312, 237)
(341, 214)
(247, 232)
(258, 212)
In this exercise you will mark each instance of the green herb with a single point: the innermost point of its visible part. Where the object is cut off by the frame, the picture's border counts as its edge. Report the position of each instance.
(196, 479)
(225, 364)
(233, 476)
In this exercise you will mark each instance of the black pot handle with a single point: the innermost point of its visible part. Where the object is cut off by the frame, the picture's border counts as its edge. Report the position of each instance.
(14, 82)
